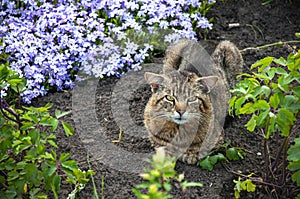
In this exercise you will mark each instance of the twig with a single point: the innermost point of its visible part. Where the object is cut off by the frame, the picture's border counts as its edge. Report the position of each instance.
(253, 179)
(280, 43)
(3, 109)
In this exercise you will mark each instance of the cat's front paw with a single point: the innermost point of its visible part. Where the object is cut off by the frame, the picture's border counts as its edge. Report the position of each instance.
(189, 158)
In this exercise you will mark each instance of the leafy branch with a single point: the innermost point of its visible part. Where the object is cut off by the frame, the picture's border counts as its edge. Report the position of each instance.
(160, 177)
(270, 94)
(29, 165)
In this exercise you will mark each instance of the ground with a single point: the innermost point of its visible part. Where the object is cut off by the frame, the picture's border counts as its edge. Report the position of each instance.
(258, 25)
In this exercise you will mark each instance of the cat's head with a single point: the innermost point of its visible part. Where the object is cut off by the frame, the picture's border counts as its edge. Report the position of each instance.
(180, 96)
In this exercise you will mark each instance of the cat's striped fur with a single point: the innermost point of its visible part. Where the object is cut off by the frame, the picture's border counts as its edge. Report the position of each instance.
(179, 113)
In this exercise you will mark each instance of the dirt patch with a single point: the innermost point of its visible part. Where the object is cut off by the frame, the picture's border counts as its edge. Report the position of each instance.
(258, 25)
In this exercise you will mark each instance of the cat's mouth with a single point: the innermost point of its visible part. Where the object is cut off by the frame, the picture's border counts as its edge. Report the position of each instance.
(180, 120)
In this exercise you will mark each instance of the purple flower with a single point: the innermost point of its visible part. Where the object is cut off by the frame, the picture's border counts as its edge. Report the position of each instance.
(204, 23)
(46, 41)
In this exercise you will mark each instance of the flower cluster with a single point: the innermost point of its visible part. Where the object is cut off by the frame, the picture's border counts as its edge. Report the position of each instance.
(49, 41)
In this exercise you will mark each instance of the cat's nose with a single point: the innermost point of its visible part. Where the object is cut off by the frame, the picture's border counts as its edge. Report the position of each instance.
(181, 112)
(180, 108)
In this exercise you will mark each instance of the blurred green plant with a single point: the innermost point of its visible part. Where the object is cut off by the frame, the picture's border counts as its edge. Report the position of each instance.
(29, 164)
(243, 185)
(270, 94)
(219, 155)
(160, 177)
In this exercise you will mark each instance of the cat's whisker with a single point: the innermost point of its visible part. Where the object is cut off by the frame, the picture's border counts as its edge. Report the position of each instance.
(158, 116)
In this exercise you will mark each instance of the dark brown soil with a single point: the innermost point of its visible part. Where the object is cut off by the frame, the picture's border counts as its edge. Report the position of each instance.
(94, 115)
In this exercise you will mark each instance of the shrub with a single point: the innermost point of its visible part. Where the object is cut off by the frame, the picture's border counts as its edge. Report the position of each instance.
(160, 177)
(271, 96)
(29, 164)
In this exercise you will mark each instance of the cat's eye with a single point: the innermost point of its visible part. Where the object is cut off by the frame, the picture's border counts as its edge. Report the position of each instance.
(169, 98)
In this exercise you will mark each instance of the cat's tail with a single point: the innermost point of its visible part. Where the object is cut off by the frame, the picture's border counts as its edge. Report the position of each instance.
(175, 56)
(228, 56)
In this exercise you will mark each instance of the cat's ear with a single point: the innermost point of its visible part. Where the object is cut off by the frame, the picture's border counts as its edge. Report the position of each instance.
(206, 84)
(154, 80)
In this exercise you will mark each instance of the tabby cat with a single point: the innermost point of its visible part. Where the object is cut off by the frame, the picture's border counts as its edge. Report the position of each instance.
(180, 113)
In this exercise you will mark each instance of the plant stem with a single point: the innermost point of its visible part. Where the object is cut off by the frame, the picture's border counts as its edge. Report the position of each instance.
(102, 188)
(266, 154)
(6, 108)
(278, 152)
(93, 182)
(280, 43)
(284, 151)
(253, 179)
(162, 181)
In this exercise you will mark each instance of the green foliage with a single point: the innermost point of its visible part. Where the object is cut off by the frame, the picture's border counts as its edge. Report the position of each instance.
(160, 177)
(211, 160)
(270, 95)
(294, 160)
(243, 185)
(29, 165)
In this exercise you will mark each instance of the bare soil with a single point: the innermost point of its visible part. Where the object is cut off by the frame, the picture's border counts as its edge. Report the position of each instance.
(258, 25)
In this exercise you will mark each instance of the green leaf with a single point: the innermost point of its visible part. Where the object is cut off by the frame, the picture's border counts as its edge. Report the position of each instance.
(291, 103)
(296, 177)
(238, 104)
(248, 108)
(261, 105)
(10, 164)
(64, 156)
(217, 158)
(274, 101)
(143, 185)
(209, 162)
(54, 123)
(186, 184)
(68, 129)
(294, 151)
(280, 71)
(286, 116)
(34, 135)
(70, 164)
(294, 166)
(51, 170)
(27, 125)
(13, 175)
(262, 90)
(248, 186)
(262, 76)
(262, 118)
(281, 61)
(55, 186)
(167, 187)
(237, 194)
(296, 91)
(52, 143)
(59, 114)
(263, 63)
(231, 103)
(206, 164)
(251, 124)
(235, 154)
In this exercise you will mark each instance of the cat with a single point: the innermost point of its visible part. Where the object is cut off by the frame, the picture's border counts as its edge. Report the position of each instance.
(180, 113)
